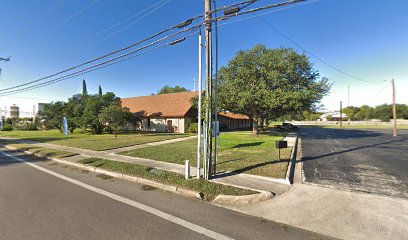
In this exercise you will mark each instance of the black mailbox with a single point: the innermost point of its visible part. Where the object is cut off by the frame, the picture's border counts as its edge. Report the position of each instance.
(281, 144)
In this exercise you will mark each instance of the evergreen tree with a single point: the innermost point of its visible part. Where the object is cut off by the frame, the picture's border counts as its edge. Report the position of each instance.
(100, 91)
(84, 91)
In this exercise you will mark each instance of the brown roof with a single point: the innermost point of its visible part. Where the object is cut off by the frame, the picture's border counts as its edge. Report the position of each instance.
(233, 115)
(164, 105)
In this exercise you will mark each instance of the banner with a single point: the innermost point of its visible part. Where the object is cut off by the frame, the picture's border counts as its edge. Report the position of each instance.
(65, 123)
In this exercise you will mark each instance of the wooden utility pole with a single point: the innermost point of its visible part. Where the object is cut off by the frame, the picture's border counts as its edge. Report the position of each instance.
(208, 92)
(394, 109)
(341, 114)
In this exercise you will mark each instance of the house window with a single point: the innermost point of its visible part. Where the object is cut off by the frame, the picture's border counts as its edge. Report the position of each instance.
(148, 122)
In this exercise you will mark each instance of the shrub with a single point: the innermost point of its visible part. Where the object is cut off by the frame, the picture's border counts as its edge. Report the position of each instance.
(7, 127)
(30, 127)
(192, 128)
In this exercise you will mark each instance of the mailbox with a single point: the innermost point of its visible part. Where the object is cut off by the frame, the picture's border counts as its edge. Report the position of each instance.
(281, 144)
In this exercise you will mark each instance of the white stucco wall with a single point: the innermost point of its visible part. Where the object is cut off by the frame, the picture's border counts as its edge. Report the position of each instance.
(160, 124)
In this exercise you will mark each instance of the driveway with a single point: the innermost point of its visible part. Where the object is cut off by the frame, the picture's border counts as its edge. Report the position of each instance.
(369, 160)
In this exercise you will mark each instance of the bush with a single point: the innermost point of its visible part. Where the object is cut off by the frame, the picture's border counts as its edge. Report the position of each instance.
(192, 128)
(7, 127)
(30, 127)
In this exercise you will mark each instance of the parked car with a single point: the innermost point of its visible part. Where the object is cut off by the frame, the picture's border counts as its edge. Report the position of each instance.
(286, 127)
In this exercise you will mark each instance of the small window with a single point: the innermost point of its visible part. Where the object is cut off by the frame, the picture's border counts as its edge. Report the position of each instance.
(148, 122)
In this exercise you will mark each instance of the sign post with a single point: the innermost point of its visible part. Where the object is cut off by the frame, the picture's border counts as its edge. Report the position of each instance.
(281, 144)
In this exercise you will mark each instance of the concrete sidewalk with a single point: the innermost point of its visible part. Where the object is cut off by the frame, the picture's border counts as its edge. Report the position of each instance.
(275, 186)
(341, 214)
(134, 147)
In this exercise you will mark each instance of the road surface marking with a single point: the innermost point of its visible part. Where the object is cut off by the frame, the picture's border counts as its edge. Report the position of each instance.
(166, 216)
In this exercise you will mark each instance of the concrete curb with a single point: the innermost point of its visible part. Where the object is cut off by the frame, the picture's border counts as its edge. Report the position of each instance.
(230, 199)
(246, 199)
(168, 188)
(291, 167)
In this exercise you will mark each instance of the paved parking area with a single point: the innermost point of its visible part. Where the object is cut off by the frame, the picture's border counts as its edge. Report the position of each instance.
(366, 160)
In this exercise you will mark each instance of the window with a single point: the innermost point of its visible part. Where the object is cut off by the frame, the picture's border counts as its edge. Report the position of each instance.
(148, 122)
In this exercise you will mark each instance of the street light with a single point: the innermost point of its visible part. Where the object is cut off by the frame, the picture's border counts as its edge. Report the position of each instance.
(177, 41)
(231, 11)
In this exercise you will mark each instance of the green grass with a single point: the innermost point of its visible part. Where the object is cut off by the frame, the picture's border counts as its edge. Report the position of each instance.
(43, 152)
(210, 189)
(90, 141)
(239, 152)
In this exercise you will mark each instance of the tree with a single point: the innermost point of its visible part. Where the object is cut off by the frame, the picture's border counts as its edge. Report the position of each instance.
(100, 91)
(365, 113)
(74, 111)
(53, 114)
(351, 112)
(114, 117)
(176, 89)
(93, 107)
(268, 83)
(84, 90)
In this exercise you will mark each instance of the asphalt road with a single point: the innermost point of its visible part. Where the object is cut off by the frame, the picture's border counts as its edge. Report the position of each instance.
(37, 205)
(369, 160)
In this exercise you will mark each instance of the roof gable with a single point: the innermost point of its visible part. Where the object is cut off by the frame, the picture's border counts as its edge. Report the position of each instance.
(161, 105)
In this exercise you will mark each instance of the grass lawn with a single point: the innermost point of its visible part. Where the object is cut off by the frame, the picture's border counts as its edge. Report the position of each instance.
(43, 152)
(90, 141)
(238, 152)
(210, 189)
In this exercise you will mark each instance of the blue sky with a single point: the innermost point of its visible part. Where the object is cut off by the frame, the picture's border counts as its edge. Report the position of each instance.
(367, 39)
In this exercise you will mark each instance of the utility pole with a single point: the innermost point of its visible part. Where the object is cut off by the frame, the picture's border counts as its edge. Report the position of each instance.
(394, 109)
(208, 92)
(200, 90)
(341, 114)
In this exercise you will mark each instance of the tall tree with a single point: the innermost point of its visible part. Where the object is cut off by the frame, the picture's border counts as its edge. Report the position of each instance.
(113, 117)
(176, 89)
(351, 112)
(267, 83)
(93, 107)
(53, 114)
(84, 90)
(100, 91)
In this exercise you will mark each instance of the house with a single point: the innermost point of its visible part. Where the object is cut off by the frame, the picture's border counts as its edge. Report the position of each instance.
(174, 113)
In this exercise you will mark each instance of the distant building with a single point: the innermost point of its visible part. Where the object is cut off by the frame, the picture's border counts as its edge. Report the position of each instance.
(14, 111)
(332, 116)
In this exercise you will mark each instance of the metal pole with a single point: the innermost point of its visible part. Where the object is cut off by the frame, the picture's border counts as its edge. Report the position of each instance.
(394, 110)
(200, 90)
(216, 95)
(341, 114)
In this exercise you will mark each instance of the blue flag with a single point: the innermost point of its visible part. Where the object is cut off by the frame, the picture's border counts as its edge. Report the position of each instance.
(65, 122)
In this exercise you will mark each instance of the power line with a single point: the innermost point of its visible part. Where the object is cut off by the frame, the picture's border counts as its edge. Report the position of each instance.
(78, 12)
(100, 65)
(98, 58)
(134, 22)
(123, 21)
(181, 25)
(313, 55)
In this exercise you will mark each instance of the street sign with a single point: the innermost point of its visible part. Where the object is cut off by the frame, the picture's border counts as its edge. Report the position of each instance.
(65, 123)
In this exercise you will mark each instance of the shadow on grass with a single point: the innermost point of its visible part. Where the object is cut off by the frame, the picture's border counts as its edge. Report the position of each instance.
(248, 168)
(252, 144)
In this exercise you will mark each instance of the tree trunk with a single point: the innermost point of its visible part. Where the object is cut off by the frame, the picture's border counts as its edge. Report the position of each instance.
(255, 127)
